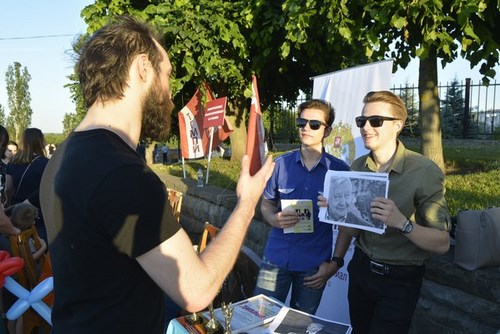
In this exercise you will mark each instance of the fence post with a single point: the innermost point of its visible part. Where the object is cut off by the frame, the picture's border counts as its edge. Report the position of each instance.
(466, 122)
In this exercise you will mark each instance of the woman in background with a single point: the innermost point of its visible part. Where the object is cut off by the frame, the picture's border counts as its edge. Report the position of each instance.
(11, 150)
(4, 139)
(24, 173)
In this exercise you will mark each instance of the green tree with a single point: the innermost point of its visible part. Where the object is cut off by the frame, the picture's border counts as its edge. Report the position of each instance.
(286, 42)
(432, 30)
(224, 43)
(409, 94)
(452, 111)
(71, 120)
(402, 30)
(2, 115)
(54, 138)
(18, 99)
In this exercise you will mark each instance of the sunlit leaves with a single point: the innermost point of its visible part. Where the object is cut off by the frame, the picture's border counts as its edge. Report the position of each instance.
(398, 21)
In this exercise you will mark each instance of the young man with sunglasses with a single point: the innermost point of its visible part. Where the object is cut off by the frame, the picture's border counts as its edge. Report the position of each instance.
(300, 260)
(386, 271)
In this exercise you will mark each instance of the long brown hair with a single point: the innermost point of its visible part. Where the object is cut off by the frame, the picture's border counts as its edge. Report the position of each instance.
(32, 145)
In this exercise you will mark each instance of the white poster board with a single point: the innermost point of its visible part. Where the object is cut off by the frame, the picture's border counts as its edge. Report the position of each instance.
(345, 90)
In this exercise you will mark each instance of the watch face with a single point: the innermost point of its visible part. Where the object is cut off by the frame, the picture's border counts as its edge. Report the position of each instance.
(408, 227)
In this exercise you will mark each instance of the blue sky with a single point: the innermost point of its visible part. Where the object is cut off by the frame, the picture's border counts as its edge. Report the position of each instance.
(49, 63)
(47, 59)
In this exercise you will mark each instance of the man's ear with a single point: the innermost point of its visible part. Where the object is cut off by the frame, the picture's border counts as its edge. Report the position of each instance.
(400, 125)
(144, 66)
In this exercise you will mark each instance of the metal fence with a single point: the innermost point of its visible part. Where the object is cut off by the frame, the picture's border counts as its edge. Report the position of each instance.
(468, 110)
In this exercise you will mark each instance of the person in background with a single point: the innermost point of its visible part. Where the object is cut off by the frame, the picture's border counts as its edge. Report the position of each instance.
(156, 154)
(11, 150)
(141, 149)
(300, 260)
(23, 216)
(4, 139)
(51, 148)
(164, 151)
(114, 243)
(24, 173)
(386, 270)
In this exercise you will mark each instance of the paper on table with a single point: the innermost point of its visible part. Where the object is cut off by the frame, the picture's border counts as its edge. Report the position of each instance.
(293, 321)
(249, 313)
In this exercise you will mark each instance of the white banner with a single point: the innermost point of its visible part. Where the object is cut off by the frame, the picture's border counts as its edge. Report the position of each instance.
(345, 90)
(191, 134)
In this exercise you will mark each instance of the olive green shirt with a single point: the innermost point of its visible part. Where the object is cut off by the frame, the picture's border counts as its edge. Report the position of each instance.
(416, 185)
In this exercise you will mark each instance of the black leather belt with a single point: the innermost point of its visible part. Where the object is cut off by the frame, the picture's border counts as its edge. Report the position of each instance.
(379, 268)
(390, 270)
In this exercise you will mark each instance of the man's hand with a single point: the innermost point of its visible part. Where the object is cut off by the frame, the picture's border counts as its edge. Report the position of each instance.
(322, 201)
(250, 188)
(286, 218)
(386, 211)
(318, 280)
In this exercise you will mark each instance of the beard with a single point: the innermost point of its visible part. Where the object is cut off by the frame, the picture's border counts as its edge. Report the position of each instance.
(157, 108)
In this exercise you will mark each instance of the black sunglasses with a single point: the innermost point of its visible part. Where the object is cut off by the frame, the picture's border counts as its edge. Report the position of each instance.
(375, 121)
(314, 124)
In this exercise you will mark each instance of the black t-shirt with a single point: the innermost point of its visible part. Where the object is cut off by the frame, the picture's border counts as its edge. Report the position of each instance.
(106, 208)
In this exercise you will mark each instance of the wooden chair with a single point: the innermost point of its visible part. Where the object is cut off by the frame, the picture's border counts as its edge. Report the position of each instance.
(175, 199)
(33, 272)
(209, 233)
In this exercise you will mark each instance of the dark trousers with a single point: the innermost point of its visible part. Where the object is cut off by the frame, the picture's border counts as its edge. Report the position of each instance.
(382, 298)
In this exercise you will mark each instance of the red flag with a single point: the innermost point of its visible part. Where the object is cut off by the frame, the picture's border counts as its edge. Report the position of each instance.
(190, 128)
(222, 132)
(256, 149)
(195, 140)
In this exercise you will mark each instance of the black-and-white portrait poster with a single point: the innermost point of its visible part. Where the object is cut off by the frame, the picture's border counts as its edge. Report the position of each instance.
(349, 197)
(290, 321)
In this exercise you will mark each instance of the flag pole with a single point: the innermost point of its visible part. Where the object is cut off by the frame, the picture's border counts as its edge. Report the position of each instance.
(210, 151)
(183, 168)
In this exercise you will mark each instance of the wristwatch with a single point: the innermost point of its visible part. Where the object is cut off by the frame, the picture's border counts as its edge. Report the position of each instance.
(407, 227)
(338, 260)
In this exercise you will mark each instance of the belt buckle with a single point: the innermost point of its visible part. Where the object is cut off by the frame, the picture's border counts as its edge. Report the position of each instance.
(378, 268)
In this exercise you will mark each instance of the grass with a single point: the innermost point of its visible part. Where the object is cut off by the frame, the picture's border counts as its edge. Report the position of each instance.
(472, 172)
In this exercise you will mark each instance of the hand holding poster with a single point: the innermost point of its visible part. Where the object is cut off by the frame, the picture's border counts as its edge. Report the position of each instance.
(349, 197)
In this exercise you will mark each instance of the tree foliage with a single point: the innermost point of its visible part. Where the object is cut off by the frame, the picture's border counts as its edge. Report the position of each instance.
(71, 120)
(403, 30)
(284, 43)
(54, 138)
(2, 114)
(224, 43)
(407, 94)
(18, 99)
(452, 111)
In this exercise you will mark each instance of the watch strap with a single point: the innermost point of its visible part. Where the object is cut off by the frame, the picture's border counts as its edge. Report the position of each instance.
(407, 227)
(338, 260)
